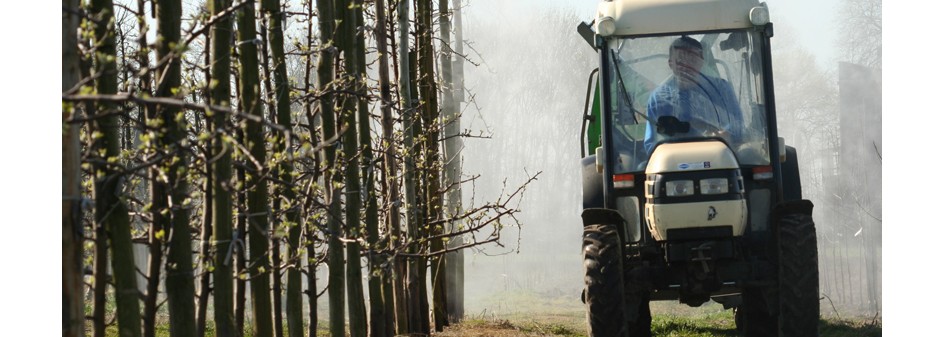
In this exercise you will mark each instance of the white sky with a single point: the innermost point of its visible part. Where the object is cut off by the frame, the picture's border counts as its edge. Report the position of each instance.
(811, 20)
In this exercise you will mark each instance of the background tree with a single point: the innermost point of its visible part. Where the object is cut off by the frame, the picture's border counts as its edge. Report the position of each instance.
(392, 280)
(110, 208)
(286, 195)
(861, 32)
(179, 281)
(257, 198)
(221, 39)
(452, 161)
(429, 108)
(326, 74)
(411, 308)
(73, 316)
(346, 16)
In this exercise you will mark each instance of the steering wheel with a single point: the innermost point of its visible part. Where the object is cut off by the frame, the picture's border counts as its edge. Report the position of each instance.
(699, 126)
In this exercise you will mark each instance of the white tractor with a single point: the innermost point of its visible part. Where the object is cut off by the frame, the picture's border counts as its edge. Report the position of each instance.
(689, 193)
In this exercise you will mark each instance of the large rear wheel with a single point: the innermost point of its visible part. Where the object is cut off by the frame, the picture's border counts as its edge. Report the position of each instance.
(799, 284)
(603, 281)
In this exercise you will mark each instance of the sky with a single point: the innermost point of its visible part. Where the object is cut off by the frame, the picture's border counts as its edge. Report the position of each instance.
(815, 29)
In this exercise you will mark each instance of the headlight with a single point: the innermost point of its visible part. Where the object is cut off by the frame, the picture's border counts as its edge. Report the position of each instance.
(713, 186)
(679, 188)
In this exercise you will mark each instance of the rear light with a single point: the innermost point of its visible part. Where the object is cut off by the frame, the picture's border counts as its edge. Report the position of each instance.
(623, 180)
(762, 173)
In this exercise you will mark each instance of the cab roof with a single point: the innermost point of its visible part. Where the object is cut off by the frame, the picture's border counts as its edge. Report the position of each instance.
(647, 17)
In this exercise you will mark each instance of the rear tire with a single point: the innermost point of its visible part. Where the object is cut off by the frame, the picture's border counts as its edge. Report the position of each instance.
(799, 282)
(603, 281)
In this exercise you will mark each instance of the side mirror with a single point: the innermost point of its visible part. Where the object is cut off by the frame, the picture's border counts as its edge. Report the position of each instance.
(736, 41)
(587, 33)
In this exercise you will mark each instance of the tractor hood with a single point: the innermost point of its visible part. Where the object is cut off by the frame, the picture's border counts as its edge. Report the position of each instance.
(691, 156)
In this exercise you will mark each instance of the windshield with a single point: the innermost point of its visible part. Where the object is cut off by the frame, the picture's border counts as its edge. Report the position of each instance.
(687, 87)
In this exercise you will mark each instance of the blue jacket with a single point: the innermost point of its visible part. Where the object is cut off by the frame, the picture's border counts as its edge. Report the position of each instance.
(711, 100)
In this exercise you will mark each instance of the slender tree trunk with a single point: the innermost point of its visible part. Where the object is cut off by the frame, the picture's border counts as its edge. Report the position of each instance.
(357, 317)
(409, 313)
(206, 234)
(110, 209)
(283, 144)
(326, 74)
(430, 117)
(399, 32)
(418, 307)
(308, 229)
(257, 197)
(160, 207)
(454, 147)
(206, 253)
(367, 191)
(240, 272)
(275, 251)
(391, 278)
(221, 35)
(100, 275)
(452, 161)
(179, 281)
(414, 283)
(73, 315)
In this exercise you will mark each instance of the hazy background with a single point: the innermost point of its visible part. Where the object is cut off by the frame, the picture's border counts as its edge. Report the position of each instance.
(529, 90)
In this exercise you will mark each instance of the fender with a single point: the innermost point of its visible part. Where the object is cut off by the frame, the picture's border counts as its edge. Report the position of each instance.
(593, 183)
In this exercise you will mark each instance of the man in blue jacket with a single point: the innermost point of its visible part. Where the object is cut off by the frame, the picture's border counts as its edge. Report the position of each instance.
(707, 103)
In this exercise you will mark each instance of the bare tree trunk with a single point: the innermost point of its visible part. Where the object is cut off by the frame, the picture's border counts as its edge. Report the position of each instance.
(357, 318)
(367, 191)
(451, 160)
(206, 252)
(206, 234)
(221, 36)
(286, 193)
(179, 282)
(110, 209)
(160, 212)
(402, 282)
(326, 74)
(455, 285)
(240, 273)
(412, 323)
(418, 320)
(430, 108)
(309, 234)
(73, 315)
(391, 278)
(257, 210)
(100, 275)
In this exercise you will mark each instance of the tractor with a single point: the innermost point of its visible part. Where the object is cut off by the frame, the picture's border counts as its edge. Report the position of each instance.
(689, 194)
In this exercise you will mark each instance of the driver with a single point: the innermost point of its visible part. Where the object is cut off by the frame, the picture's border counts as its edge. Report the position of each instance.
(707, 103)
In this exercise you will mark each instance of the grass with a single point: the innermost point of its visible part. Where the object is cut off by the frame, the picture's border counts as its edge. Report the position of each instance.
(716, 325)
(525, 313)
(522, 313)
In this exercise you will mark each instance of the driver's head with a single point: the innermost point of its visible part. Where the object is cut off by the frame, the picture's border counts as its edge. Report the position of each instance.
(685, 60)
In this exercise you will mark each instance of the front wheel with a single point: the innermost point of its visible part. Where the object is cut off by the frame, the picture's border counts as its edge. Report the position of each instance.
(603, 281)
